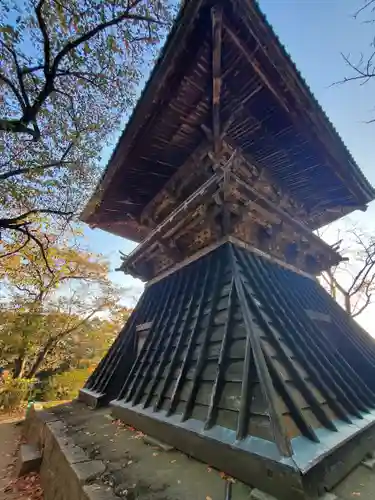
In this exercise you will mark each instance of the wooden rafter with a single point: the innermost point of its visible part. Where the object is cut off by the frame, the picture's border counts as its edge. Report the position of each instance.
(177, 182)
(217, 22)
(253, 62)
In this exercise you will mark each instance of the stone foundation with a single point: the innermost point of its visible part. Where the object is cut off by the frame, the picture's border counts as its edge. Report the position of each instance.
(66, 471)
(87, 455)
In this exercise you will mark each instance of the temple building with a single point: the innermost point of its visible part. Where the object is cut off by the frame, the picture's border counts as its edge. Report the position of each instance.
(235, 354)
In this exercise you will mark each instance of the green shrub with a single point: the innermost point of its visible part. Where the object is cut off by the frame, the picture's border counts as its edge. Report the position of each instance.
(14, 392)
(65, 385)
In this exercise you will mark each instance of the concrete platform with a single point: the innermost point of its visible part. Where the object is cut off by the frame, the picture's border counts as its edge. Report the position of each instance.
(89, 456)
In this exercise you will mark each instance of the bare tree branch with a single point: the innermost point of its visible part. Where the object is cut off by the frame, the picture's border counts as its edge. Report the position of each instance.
(101, 27)
(40, 168)
(363, 8)
(30, 112)
(32, 69)
(17, 126)
(24, 230)
(11, 221)
(13, 252)
(46, 41)
(359, 291)
(52, 342)
(363, 307)
(14, 90)
(27, 170)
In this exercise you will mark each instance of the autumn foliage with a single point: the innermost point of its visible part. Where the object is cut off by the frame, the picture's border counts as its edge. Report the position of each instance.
(56, 322)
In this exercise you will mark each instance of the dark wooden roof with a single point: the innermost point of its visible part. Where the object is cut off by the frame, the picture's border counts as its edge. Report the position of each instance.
(280, 126)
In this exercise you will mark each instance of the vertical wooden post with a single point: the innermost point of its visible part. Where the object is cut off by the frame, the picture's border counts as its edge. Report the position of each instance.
(217, 21)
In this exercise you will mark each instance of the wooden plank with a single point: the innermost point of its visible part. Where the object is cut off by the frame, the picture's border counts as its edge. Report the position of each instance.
(270, 258)
(183, 335)
(258, 403)
(318, 316)
(216, 17)
(227, 419)
(178, 314)
(143, 327)
(125, 342)
(260, 426)
(219, 380)
(187, 357)
(177, 179)
(189, 260)
(159, 334)
(287, 326)
(230, 397)
(283, 364)
(233, 370)
(350, 395)
(202, 355)
(131, 379)
(293, 400)
(254, 347)
(254, 63)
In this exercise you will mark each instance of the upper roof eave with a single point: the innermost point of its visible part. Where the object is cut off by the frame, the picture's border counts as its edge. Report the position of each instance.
(180, 28)
(184, 21)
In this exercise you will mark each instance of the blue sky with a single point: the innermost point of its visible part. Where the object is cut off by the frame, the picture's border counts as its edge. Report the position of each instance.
(314, 33)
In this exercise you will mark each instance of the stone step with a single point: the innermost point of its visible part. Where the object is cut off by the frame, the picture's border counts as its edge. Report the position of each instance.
(29, 460)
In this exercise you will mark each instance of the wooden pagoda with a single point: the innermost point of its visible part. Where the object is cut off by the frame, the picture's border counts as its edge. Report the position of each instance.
(234, 353)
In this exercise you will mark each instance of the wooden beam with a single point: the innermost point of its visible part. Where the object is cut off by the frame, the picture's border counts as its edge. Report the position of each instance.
(203, 193)
(284, 216)
(237, 108)
(217, 22)
(170, 251)
(178, 180)
(254, 63)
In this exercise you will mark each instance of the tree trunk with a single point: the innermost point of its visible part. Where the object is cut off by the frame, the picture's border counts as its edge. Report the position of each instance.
(332, 284)
(333, 289)
(52, 343)
(19, 366)
(348, 306)
(39, 359)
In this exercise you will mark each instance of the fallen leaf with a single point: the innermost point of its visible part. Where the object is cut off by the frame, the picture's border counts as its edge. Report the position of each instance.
(208, 498)
(225, 476)
(173, 461)
(155, 454)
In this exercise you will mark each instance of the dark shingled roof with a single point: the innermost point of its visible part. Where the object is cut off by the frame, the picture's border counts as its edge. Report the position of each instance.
(281, 127)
